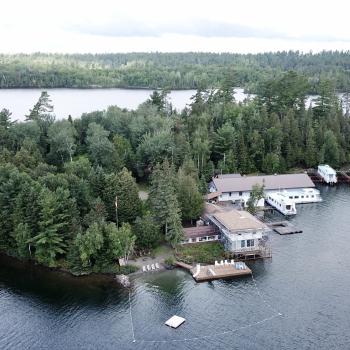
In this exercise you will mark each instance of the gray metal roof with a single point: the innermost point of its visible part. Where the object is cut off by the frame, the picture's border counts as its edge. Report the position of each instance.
(271, 182)
(223, 176)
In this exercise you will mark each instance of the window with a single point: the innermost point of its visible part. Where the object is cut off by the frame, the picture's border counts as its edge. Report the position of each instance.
(202, 239)
(242, 244)
(296, 197)
(240, 193)
(230, 194)
(250, 242)
(288, 207)
(307, 196)
(302, 196)
(312, 196)
(290, 197)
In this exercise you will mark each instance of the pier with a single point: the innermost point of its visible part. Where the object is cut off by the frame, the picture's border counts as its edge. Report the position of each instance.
(219, 270)
(284, 227)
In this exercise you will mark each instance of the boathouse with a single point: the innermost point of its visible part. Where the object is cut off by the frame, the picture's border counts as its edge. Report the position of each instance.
(242, 234)
(236, 189)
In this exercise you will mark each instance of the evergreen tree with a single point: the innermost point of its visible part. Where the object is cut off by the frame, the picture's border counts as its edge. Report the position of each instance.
(22, 235)
(121, 190)
(330, 149)
(55, 225)
(189, 197)
(163, 201)
(310, 149)
(147, 231)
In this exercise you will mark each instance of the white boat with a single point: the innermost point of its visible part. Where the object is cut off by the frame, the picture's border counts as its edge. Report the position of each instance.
(328, 174)
(304, 195)
(282, 203)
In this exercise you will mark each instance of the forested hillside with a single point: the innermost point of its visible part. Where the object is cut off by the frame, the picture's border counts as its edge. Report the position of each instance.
(68, 188)
(170, 70)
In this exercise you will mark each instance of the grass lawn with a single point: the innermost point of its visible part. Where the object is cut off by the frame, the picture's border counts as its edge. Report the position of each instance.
(162, 250)
(205, 253)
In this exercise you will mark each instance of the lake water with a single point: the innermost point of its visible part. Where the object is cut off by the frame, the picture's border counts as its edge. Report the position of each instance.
(307, 281)
(74, 102)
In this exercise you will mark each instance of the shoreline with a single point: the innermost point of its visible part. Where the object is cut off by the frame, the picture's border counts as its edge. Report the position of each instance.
(31, 264)
(94, 277)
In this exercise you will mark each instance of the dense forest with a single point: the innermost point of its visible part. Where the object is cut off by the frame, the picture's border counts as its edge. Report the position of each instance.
(171, 70)
(69, 188)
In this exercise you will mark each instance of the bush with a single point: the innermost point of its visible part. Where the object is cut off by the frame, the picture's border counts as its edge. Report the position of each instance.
(169, 261)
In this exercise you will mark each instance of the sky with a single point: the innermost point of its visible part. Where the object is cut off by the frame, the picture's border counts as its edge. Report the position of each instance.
(246, 26)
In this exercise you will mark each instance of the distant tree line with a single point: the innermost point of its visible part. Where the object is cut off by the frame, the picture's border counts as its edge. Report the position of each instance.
(68, 188)
(171, 70)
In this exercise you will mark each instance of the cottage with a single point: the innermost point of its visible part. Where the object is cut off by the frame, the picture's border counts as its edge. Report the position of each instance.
(242, 234)
(200, 234)
(237, 189)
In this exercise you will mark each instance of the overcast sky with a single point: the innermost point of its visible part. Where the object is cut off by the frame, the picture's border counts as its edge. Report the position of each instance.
(155, 25)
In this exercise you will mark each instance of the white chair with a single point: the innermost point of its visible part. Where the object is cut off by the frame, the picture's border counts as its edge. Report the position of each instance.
(222, 262)
(144, 268)
(153, 267)
(216, 263)
(232, 261)
(226, 263)
(157, 265)
(148, 268)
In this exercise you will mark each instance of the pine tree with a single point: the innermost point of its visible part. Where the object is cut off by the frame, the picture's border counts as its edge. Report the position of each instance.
(163, 201)
(121, 191)
(147, 231)
(55, 224)
(189, 197)
(310, 149)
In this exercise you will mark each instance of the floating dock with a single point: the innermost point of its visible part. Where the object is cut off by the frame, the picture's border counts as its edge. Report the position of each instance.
(284, 227)
(203, 273)
(175, 321)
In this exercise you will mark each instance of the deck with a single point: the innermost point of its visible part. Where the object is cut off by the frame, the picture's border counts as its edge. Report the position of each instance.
(214, 272)
(284, 227)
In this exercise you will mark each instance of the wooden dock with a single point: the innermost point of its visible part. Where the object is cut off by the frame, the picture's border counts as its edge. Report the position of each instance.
(203, 273)
(284, 227)
(343, 177)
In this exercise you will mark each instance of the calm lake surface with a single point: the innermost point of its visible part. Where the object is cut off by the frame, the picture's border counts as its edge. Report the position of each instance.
(75, 102)
(307, 281)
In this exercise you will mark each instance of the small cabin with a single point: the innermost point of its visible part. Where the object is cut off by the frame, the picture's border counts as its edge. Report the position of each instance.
(328, 174)
(200, 234)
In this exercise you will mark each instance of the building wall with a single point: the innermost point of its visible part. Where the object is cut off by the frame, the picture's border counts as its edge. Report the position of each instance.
(233, 242)
(239, 197)
(244, 196)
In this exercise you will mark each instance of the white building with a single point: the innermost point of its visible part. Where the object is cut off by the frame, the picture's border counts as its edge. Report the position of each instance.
(328, 174)
(242, 233)
(237, 189)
